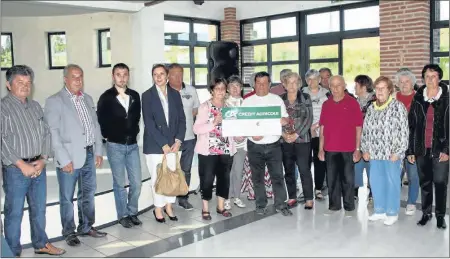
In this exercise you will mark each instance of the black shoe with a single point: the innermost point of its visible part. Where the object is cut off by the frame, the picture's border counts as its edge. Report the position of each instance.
(174, 218)
(159, 220)
(72, 240)
(424, 220)
(184, 203)
(441, 222)
(93, 232)
(261, 211)
(285, 212)
(126, 222)
(134, 219)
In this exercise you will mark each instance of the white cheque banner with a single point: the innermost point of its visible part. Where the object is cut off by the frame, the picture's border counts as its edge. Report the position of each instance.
(251, 121)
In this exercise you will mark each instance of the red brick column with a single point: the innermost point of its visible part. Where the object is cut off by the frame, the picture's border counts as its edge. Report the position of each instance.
(404, 36)
(229, 29)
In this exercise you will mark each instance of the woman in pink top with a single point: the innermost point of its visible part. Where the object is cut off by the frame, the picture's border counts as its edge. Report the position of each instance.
(214, 151)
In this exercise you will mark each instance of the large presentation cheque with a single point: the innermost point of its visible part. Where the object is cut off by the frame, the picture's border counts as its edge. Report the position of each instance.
(251, 121)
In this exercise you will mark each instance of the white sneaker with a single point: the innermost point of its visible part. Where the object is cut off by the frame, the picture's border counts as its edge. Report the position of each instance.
(390, 220)
(377, 216)
(239, 203)
(227, 205)
(410, 209)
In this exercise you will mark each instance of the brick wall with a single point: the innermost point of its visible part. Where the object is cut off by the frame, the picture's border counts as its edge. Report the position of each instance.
(229, 29)
(404, 36)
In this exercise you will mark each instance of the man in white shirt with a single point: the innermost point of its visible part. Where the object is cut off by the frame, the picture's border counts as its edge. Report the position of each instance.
(266, 150)
(190, 105)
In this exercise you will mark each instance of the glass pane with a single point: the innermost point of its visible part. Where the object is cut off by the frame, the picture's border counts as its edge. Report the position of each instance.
(176, 30)
(285, 51)
(6, 51)
(443, 63)
(58, 50)
(106, 47)
(200, 55)
(324, 51)
(441, 40)
(255, 31)
(322, 22)
(283, 27)
(187, 75)
(362, 18)
(361, 56)
(248, 71)
(257, 53)
(442, 10)
(205, 32)
(333, 66)
(277, 69)
(201, 76)
(176, 54)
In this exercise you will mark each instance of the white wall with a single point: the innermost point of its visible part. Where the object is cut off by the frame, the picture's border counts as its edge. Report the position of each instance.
(30, 48)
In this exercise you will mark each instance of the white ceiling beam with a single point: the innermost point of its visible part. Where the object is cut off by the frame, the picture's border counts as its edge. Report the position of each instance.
(104, 5)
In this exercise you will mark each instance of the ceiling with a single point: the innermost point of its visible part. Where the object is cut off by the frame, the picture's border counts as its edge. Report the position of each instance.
(32, 9)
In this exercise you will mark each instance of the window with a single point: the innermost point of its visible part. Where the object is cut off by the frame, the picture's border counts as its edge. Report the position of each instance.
(344, 38)
(57, 52)
(440, 35)
(186, 41)
(269, 44)
(104, 48)
(7, 53)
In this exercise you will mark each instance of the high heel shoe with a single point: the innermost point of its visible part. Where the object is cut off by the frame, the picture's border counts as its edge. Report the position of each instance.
(174, 218)
(159, 220)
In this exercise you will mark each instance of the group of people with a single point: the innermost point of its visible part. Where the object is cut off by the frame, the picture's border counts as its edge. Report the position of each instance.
(341, 134)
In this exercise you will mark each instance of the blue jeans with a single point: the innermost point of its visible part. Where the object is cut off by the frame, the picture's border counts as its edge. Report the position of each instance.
(6, 251)
(17, 187)
(359, 171)
(87, 184)
(120, 157)
(413, 181)
(385, 184)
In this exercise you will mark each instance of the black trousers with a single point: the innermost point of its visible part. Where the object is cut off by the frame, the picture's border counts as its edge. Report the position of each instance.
(431, 171)
(260, 155)
(214, 166)
(187, 155)
(298, 153)
(340, 180)
(320, 167)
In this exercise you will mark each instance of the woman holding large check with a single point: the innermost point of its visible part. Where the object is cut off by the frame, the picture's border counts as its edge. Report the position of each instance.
(214, 151)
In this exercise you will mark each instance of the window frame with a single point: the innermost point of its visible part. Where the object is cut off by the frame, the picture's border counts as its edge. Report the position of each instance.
(49, 49)
(99, 49)
(192, 43)
(434, 24)
(12, 49)
(306, 40)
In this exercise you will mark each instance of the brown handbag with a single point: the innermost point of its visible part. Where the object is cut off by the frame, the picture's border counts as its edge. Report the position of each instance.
(168, 182)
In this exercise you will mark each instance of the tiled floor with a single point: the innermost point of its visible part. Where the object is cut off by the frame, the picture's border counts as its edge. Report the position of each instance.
(306, 234)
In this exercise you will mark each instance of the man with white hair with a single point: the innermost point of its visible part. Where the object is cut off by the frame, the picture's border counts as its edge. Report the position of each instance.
(279, 89)
(341, 123)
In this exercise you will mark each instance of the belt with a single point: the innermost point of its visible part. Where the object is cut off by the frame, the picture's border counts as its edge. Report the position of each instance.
(89, 148)
(32, 159)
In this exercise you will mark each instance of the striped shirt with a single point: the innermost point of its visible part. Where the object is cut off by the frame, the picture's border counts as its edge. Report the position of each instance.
(23, 129)
(83, 114)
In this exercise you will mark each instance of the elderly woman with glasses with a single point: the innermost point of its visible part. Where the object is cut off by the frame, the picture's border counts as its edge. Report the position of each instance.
(428, 142)
(383, 143)
(405, 80)
(318, 95)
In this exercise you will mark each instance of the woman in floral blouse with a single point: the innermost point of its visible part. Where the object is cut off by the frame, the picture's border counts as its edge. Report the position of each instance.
(214, 151)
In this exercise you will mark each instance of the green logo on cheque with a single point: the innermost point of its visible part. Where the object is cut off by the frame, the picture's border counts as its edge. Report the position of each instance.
(251, 113)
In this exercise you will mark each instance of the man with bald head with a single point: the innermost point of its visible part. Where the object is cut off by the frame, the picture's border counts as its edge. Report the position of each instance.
(340, 122)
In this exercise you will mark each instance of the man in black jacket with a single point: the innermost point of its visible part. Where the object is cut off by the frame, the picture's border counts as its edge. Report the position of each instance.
(428, 142)
(119, 112)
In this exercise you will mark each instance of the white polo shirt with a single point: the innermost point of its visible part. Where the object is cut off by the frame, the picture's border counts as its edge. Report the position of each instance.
(264, 101)
(190, 101)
